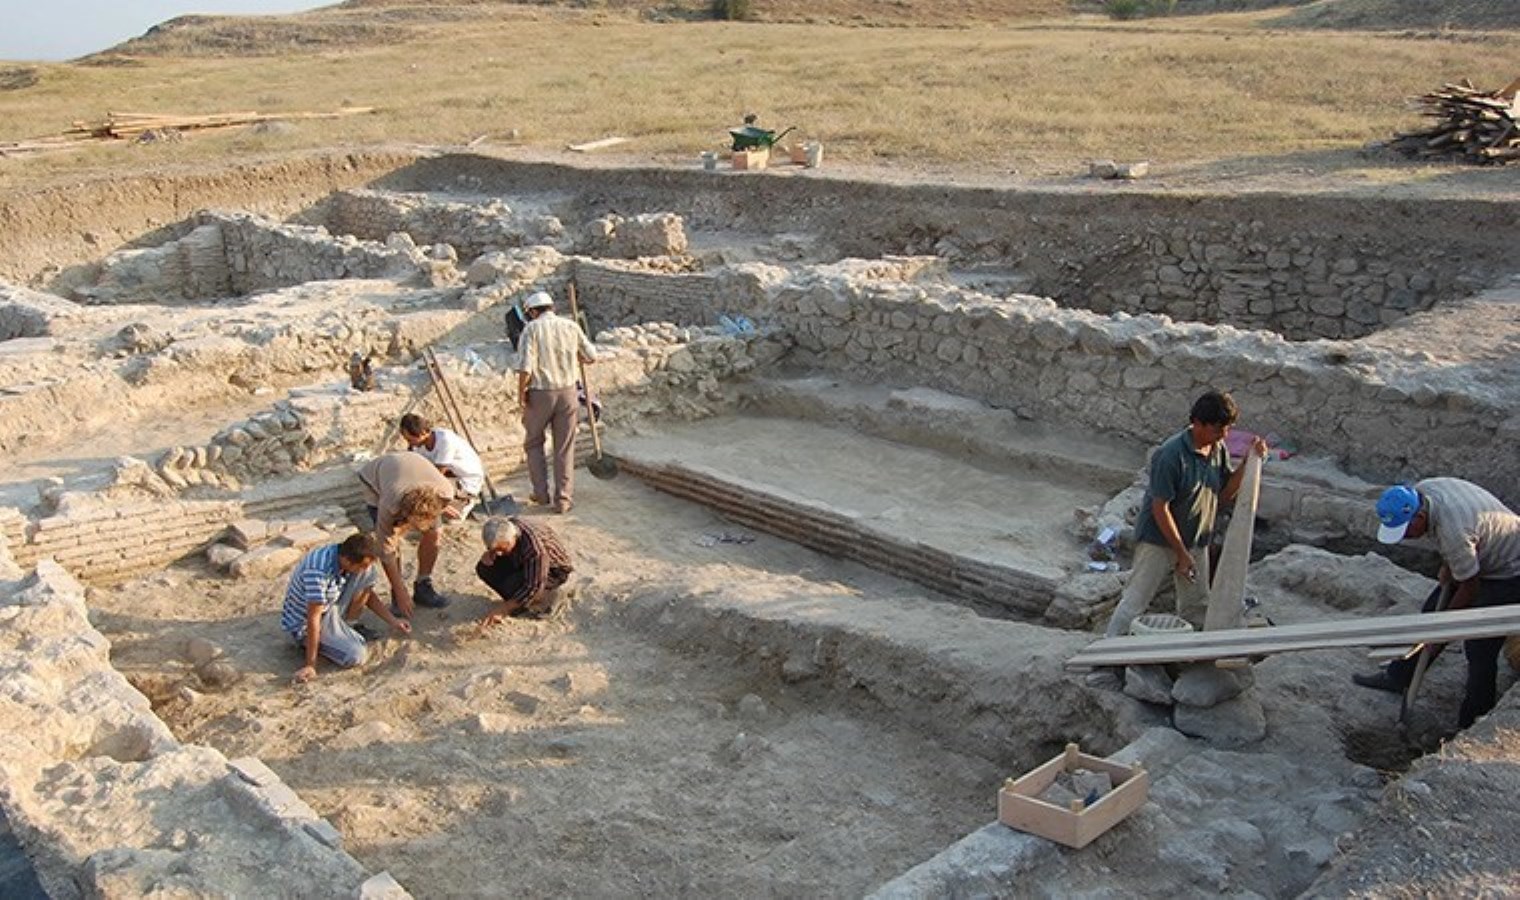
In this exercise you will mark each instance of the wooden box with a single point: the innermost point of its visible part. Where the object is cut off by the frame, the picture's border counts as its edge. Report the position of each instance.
(752, 159)
(1019, 805)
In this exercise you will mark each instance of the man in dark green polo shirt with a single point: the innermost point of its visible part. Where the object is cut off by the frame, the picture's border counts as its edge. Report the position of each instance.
(1190, 474)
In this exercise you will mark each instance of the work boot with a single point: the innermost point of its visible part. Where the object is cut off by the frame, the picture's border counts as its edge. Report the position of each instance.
(423, 594)
(1381, 680)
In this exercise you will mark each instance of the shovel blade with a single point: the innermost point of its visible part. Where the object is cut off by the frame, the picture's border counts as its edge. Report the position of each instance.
(501, 506)
(603, 467)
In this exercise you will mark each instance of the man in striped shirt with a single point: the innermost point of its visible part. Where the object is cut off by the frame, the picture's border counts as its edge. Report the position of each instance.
(549, 359)
(525, 564)
(329, 590)
(1479, 541)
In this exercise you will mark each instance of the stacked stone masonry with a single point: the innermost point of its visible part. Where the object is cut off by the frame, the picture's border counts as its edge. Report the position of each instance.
(1381, 413)
(109, 804)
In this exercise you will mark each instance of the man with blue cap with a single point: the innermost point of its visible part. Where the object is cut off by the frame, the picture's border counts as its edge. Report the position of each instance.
(1478, 538)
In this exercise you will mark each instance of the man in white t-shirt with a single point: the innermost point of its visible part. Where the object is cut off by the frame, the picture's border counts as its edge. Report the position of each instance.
(453, 456)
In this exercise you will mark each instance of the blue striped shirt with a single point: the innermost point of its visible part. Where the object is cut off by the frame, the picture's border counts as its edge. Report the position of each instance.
(317, 579)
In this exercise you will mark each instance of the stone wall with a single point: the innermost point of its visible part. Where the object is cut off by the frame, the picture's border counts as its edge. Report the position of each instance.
(230, 254)
(1285, 263)
(470, 228)
(1381, 412)
(615, 294)
(109, 804)
(27, 314)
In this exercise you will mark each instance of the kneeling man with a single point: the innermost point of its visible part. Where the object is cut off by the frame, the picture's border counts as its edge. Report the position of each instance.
(329, 590)
(525, 564)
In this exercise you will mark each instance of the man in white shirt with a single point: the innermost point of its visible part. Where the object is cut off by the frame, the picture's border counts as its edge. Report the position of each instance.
(549, 357)
(453, 456)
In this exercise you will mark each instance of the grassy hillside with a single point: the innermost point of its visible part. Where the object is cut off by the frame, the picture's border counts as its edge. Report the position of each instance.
(1399, 14)
(1036, 99)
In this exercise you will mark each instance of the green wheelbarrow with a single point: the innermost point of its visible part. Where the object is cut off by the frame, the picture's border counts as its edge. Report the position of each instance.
(753, 137)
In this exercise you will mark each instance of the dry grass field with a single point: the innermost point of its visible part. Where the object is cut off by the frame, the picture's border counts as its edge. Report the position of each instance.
(1033, 98)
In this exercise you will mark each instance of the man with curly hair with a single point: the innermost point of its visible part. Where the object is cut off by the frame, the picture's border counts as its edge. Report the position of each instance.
(406, 492)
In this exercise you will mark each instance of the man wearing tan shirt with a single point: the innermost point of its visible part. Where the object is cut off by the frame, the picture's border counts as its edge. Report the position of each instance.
(549, 358)
(405, 491)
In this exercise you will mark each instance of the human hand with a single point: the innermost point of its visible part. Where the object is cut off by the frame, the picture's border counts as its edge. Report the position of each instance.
(490, 621)
(303, 675)
(401, 598)
(402, 626)
(1260, 447)
(1184, 567)
(488, 558)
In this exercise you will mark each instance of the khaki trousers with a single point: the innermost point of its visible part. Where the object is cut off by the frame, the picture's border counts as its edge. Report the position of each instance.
(1153, 563)
(557, 412)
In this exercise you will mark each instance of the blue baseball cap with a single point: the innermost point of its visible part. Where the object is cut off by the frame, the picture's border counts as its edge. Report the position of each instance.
(1396, 509)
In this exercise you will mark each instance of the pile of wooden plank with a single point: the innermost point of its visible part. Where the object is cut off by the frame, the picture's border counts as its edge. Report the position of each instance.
(133, 126)
(1479, 126)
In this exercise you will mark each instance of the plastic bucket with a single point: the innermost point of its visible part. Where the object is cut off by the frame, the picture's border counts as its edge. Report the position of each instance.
(1158, 623)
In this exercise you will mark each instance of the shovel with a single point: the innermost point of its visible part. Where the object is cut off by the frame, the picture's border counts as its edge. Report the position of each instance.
(495, 504)
(601, 466)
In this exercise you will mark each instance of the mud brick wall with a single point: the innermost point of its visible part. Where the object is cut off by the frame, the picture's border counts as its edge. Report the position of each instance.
(117, 542)
(614, 295)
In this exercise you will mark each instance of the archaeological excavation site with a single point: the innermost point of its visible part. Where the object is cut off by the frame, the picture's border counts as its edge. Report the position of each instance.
(879, 447)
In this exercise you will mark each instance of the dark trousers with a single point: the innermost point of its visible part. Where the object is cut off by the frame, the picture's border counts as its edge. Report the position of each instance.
(507, 581)
(1482, 653)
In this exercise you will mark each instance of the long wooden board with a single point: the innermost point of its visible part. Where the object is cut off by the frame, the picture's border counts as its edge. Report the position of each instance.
(1228, 593)
(1436, 627)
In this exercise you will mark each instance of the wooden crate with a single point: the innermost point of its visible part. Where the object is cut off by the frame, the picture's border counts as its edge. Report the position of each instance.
(751, 159)
(1019, 805)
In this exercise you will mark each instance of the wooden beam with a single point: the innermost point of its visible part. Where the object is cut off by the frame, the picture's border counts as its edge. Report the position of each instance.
(1441, 627)
(1228, 593)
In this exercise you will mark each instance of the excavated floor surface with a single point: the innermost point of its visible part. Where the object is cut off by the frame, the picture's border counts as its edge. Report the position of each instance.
(1004, 516)
(576, 758)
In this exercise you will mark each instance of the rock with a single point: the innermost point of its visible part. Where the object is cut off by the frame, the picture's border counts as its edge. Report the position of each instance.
(1132, 171)
(488, 723)
(1103, 168)
(1104, 679)
(752, 707)
(525, 703)
(244, 534)
(218, 675)
(200, 651)
(1205, 684)
(1233, 723)
(364, 735)
(383, 887)
(1149, 683)
(222, 556)
(304, 537)
(798, 667)
(265, 562)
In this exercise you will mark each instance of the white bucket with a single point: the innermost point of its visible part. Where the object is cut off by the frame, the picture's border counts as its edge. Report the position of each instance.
(1159, 623)
(814, 151)
(709, 160)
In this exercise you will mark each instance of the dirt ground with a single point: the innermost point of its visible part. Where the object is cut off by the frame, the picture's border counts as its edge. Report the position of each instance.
(574, 757)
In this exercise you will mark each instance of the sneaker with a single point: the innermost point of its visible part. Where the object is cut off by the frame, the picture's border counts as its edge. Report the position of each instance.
(563, 506)
(1380, 681)
(538, 499)
(423, 594)
(366, 632)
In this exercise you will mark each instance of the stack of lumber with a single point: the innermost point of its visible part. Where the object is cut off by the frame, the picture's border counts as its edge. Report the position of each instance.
(1477, 125)
(132, 126)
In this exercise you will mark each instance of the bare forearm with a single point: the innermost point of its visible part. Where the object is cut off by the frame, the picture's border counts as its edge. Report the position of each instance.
(1162, 513)
(1465, 593)
(313, 636)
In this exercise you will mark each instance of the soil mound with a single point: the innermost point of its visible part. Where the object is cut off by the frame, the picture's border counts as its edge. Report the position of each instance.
(1383, 15)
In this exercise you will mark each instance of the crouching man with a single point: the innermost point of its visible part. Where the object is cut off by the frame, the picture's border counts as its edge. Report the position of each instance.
(329, 590)
(407, 493)
(526, 565)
